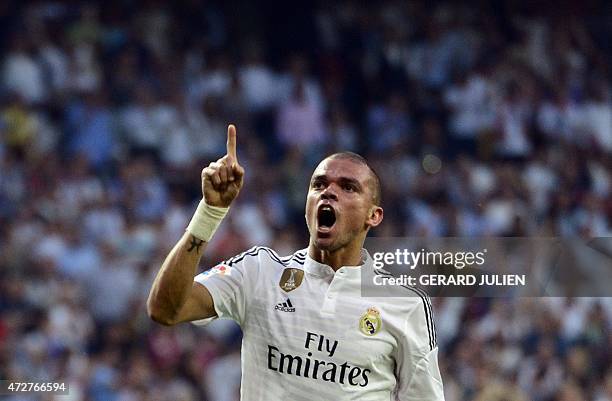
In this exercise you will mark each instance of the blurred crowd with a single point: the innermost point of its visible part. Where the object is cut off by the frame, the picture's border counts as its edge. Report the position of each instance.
(488, 119)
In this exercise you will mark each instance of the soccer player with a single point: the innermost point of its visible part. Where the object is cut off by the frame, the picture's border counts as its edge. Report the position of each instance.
(307, 332)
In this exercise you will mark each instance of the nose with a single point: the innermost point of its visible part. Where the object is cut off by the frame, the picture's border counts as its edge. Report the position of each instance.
(329, 193)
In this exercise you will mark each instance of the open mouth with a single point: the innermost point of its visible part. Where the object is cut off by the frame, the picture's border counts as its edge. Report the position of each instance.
(326, 218)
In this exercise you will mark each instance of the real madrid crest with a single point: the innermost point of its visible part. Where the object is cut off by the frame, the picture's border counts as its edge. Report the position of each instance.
(370, 322)
(291, 279)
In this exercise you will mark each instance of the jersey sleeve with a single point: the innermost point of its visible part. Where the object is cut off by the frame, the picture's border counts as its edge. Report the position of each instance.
(228, 284)
(417, 370)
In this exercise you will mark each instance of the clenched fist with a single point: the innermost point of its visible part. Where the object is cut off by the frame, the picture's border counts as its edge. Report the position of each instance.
(222, 180)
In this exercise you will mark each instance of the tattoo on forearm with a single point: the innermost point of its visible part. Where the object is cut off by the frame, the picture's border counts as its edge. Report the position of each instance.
(195, 244)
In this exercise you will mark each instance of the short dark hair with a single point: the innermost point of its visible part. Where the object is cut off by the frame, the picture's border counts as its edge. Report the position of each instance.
(354, 157)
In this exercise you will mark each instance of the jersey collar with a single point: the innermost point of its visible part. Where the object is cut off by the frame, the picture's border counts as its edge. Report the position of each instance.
(322, 270)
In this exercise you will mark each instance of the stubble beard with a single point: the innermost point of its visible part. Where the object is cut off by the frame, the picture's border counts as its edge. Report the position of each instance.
(340, 242)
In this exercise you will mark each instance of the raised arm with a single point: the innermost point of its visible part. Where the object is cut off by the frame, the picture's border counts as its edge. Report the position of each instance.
(174, 296)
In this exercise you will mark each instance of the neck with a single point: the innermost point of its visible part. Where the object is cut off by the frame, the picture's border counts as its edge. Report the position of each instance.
(349, 255)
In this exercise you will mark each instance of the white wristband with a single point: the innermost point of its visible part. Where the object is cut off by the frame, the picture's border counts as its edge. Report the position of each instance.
(206, 220)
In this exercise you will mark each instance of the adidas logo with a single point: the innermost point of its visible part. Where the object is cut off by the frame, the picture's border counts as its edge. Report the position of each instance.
(285, 306)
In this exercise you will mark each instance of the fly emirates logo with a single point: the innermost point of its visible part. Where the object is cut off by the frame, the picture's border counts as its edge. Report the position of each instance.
(319, 369)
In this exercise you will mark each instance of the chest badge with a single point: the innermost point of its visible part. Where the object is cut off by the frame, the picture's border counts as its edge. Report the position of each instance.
(370, 322)
(291, 279)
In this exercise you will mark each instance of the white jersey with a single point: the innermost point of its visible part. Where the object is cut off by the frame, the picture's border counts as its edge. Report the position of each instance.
(309, 335)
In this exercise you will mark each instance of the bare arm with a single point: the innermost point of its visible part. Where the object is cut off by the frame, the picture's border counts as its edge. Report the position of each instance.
(174, 296)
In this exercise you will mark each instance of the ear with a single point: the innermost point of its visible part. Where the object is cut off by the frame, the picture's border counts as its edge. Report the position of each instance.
(375, 216)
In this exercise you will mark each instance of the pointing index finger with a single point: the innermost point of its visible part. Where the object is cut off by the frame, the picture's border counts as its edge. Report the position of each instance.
(231, 143)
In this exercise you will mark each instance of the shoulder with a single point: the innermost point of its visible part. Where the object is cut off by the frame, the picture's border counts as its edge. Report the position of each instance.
(415, 306)
(405, 290)
(267, 258)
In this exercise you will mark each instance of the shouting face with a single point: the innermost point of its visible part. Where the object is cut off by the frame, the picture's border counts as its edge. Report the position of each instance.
(340, 207)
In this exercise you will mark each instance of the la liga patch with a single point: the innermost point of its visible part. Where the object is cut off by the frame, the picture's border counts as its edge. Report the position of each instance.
(219, 269)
